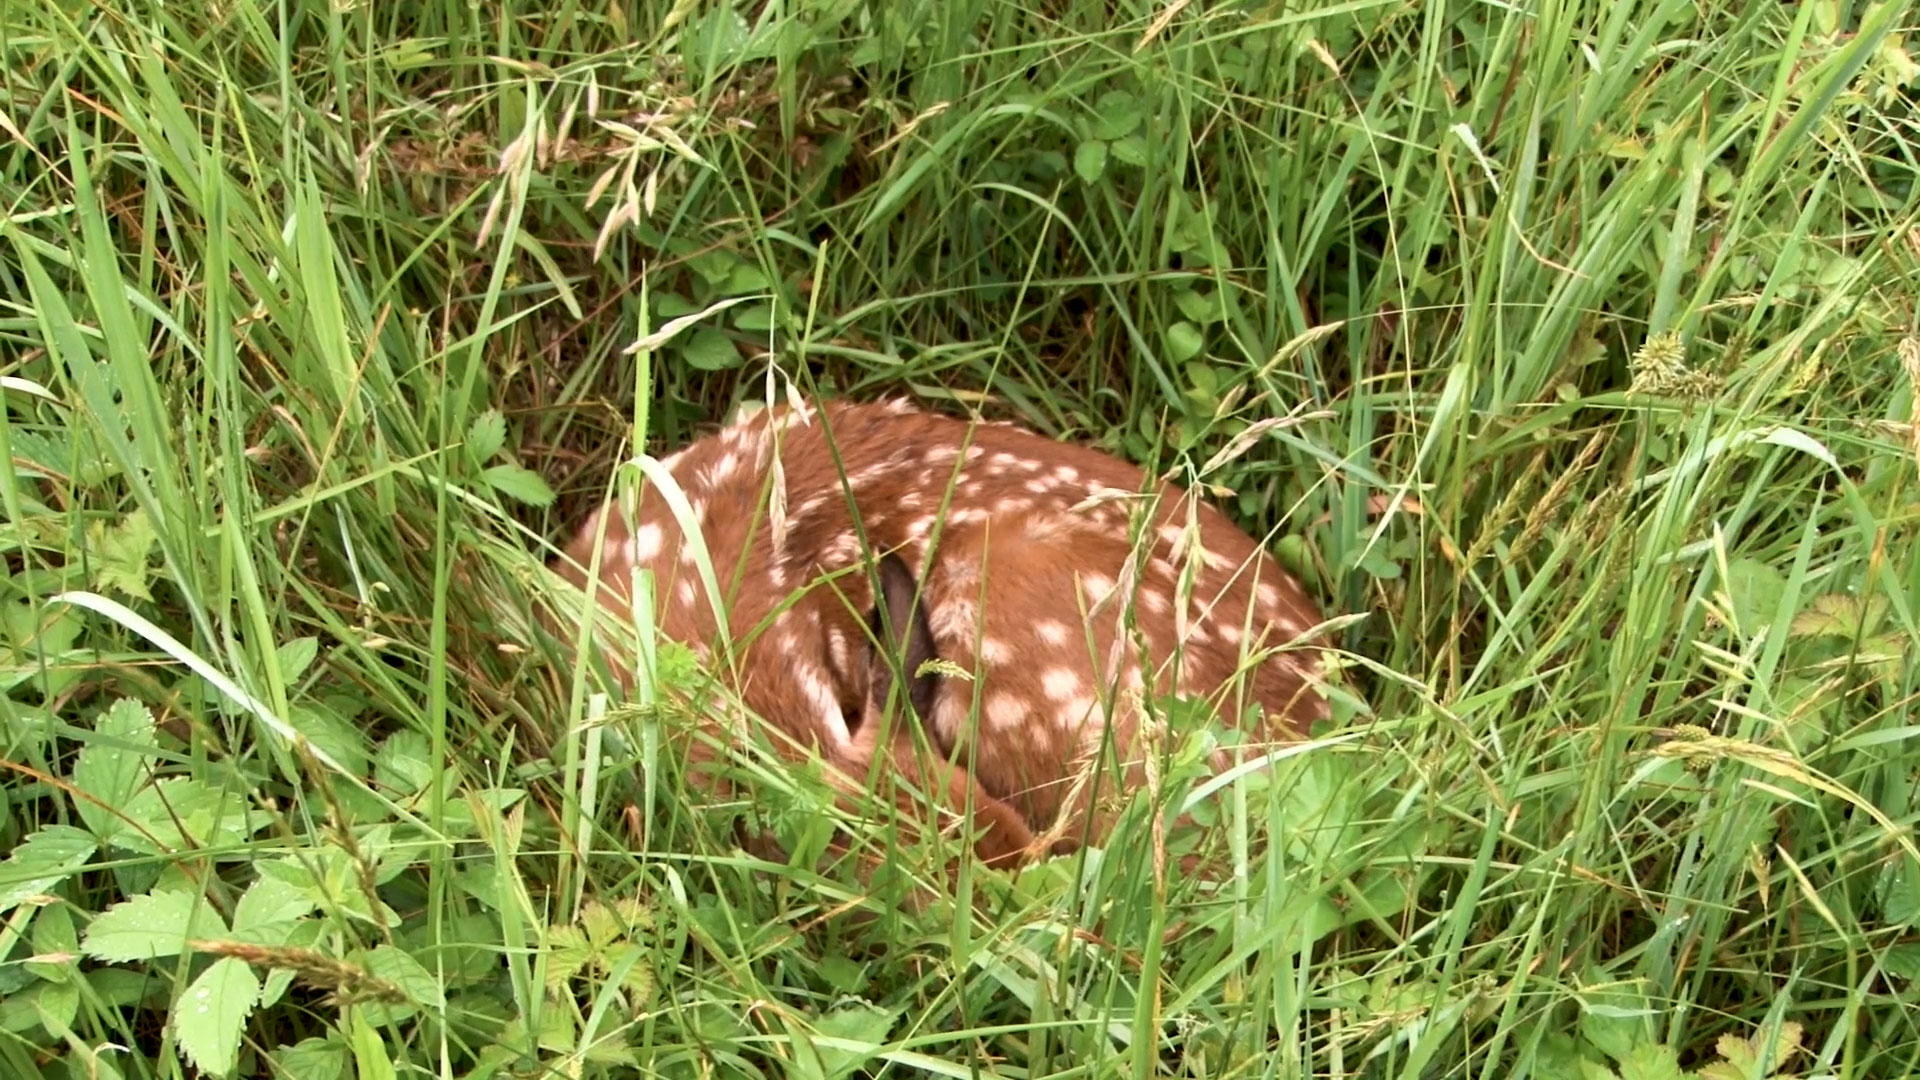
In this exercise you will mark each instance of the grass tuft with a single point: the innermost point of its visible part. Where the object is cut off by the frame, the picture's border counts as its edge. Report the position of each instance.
(1569, 351)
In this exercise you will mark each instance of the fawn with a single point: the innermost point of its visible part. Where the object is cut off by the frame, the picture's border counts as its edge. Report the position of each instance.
(993, 549)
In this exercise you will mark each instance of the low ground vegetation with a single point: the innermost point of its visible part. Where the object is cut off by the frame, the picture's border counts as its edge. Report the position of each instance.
(321, 322)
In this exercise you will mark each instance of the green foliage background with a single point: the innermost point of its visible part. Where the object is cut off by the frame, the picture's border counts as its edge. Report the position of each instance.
(1597, 322)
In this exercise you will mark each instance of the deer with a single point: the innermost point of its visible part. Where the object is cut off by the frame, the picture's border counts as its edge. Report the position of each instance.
(972, 607)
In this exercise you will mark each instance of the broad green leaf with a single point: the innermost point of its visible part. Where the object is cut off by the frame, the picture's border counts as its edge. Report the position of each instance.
(1184, 341)
(56, 944)
(270, 902)
(313, 1059)
(370, 1058)
(668, 305)
(401, 763)
(485, 436)
(754, 319)
(296, 656)
(155, 925)
(41, 861)
(746, 279)
(181, 814)
(521, 483)
(710, 350)
(1090, 160)
(1131, 150)
(858, 1023)
(1753, 590)
(399, 968)
(1196, 306)
(212, 1015)
(1117, 114)
(111, 773)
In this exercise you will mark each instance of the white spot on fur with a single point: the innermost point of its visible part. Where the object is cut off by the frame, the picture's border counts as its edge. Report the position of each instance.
(1038, 487)
(954, 619)
(721, 470)
(1097, 587)
(684, 594)
(1061, 684)
(1076, 712)
(1155, 601)
(1047, 527)
(1066, 474)
(645, 545)
(995, 651)
(842, 552)
(1006, 712)
(1051, 631)
(1269, 595)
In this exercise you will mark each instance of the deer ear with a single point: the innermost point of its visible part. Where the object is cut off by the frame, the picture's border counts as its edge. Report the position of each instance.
(901, 628)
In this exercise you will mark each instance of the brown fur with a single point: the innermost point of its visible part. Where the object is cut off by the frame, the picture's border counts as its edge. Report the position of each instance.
(1015, 592)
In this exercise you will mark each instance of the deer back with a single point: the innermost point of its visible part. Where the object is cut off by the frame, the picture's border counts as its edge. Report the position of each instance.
(1010, 555)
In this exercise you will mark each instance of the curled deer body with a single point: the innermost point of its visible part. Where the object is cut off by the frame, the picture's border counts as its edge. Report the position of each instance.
(1010, 555)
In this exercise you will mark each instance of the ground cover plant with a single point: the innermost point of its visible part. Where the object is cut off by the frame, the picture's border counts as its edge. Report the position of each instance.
(1594, 326)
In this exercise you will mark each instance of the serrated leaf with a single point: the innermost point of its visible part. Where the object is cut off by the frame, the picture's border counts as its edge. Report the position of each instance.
(1651, 1061)
(401, 763)
(122, 555)
(629, 962)
(519, 482)
(150, 926)
(41, 861)
(1838, 615)
(710, 350)
(1184, 341)
(485, 436)
(269, 902)
(567, 954)
(212, 1015)
(112, 773)
(1090, 160)
(181, 812)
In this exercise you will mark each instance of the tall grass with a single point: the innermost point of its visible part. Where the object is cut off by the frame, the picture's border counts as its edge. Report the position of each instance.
(317, 325)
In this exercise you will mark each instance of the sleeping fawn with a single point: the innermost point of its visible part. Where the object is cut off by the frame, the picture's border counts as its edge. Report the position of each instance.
(852, 543)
